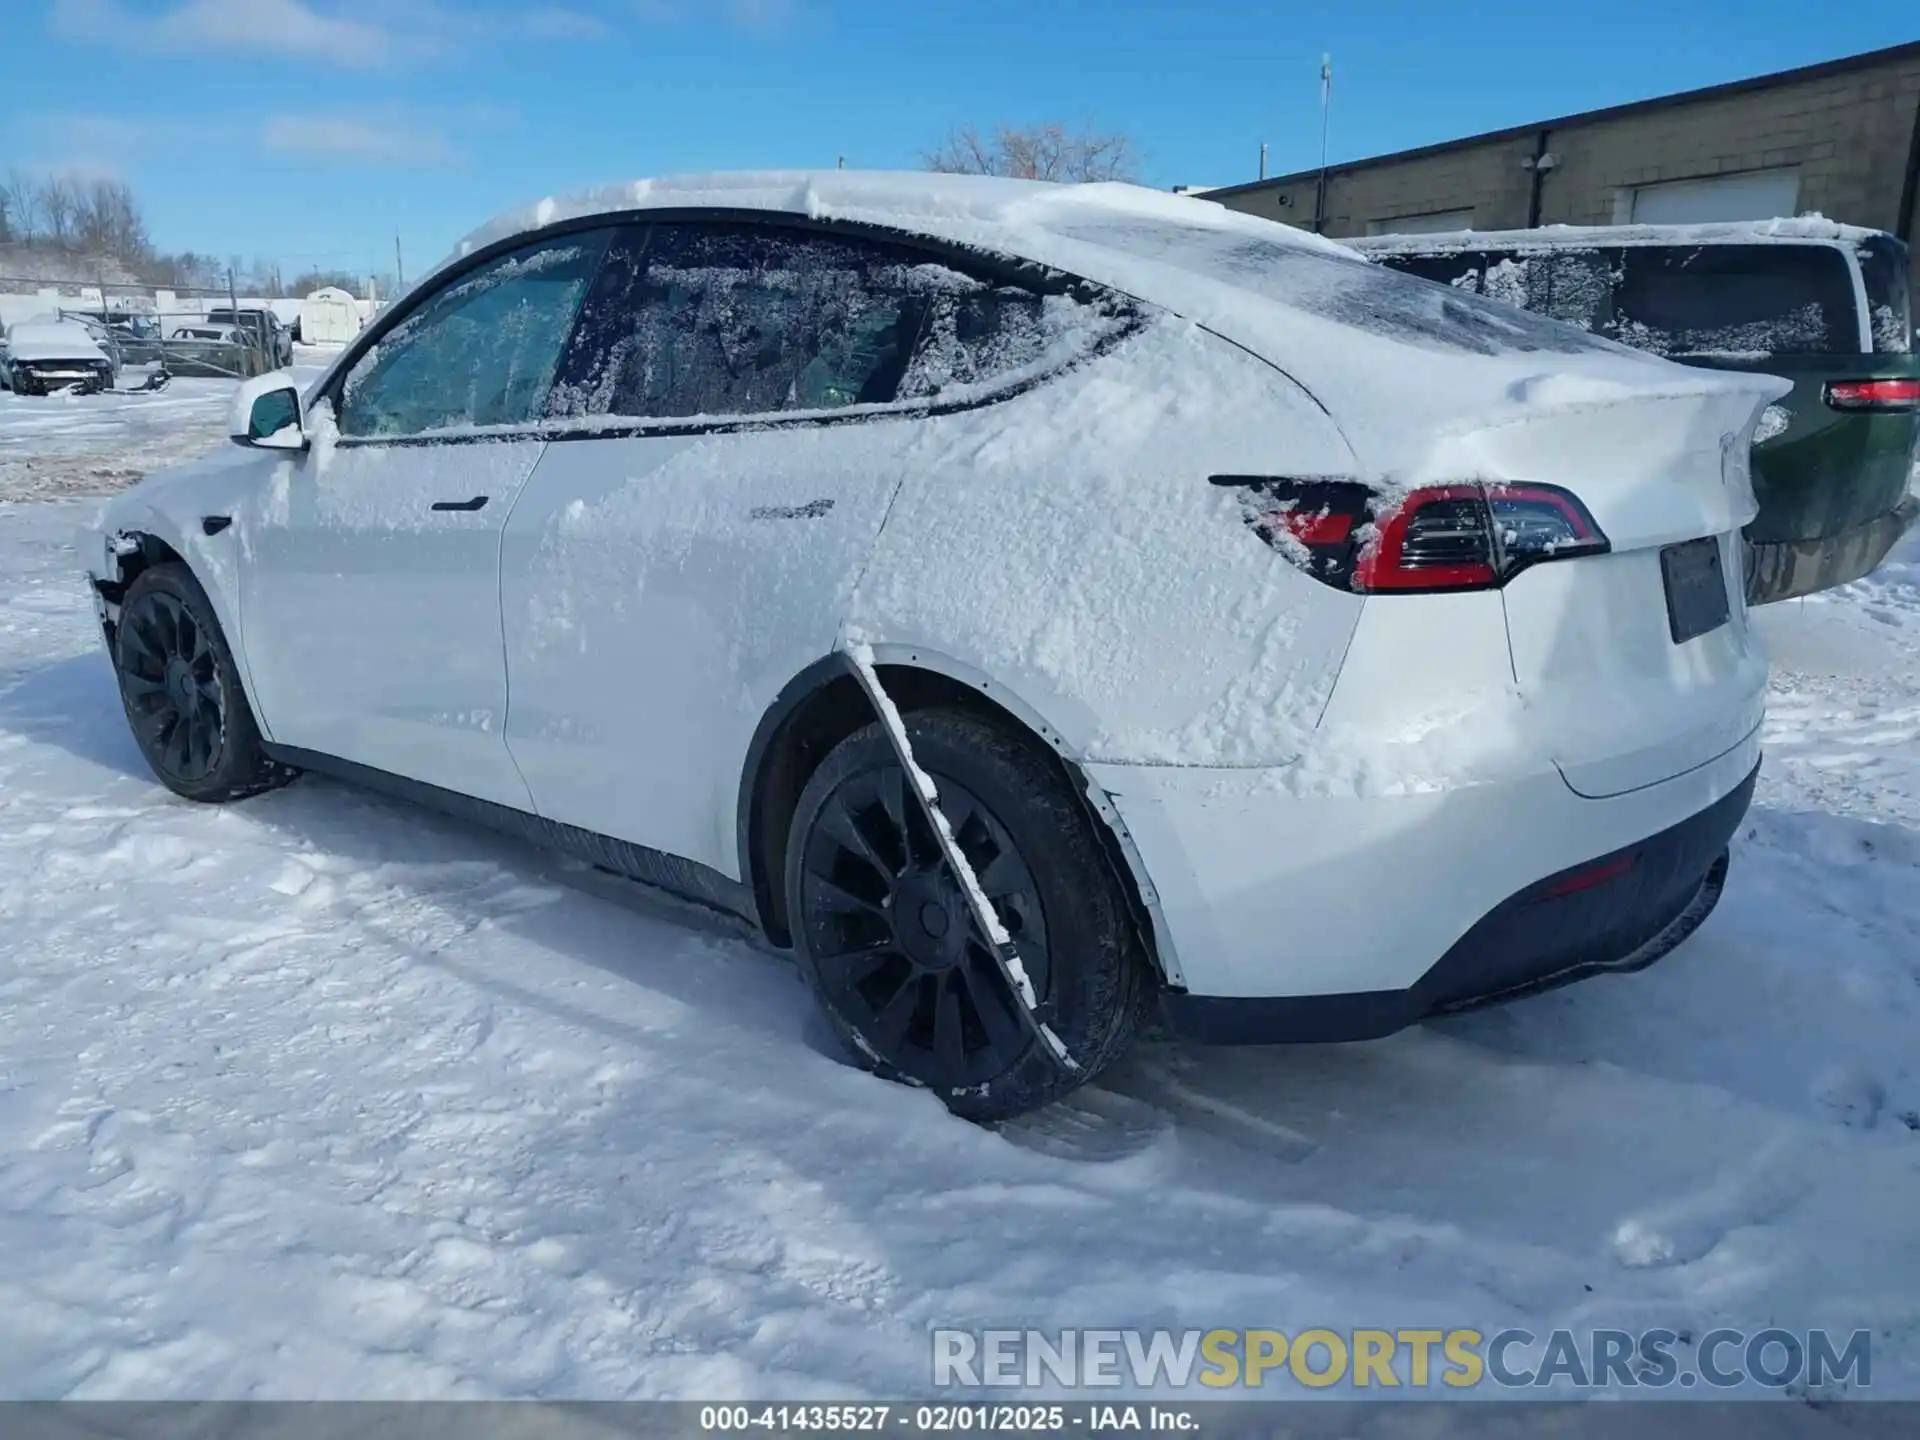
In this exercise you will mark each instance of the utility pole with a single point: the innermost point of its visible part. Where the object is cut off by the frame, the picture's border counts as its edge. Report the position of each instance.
(399, 266)
(1263, 159)
(1326, 105)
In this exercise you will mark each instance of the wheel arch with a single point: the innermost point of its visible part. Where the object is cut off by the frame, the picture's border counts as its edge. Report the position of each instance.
(825, 703)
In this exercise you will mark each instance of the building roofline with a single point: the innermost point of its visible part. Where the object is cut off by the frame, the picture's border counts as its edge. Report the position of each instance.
(1845, 63)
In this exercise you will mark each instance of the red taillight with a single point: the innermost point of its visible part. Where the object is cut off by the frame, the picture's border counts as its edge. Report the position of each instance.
(1438, 539)
(1443, 537)
(1590, 878)
(1310, 527)
(1873, 394)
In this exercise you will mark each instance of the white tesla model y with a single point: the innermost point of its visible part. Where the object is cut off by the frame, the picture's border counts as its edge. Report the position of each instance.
(1030, 604)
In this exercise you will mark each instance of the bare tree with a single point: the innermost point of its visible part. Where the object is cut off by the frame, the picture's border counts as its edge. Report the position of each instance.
(1050, 151)
(311, 280)
(59, 203)
(20, 197)
(107, 220)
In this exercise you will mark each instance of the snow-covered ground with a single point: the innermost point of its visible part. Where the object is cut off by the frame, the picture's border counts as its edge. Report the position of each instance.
(66, 445)
(322, 1096)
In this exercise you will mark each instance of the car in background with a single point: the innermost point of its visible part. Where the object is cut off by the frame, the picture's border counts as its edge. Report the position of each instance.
(44, 355)
(131, 337)
(261, 328)
(1273, 636)
(1826, 306)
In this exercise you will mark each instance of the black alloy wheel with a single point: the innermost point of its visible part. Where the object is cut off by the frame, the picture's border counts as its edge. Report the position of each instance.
(893, 936)
(172, 685)
(884, 932)
(182, 692)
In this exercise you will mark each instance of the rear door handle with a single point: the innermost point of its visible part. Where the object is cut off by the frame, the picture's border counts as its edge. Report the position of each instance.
(474, 504)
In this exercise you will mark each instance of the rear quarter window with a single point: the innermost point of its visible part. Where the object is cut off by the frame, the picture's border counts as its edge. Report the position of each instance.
(1739, 302)
(1885, 266)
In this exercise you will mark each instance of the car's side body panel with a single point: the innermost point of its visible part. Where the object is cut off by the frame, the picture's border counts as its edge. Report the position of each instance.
(175, 510)
(1068, 543)
(658, 591)
(372, 619)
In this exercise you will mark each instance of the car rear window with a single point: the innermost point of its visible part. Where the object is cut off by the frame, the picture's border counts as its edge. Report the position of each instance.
(1353, 292)
(1736, 301)
(1886, 268)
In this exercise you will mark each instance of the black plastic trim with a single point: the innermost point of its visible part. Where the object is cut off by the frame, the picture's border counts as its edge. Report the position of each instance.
(1539, 939)
(214, 524)
(795, 693)
(682, 879)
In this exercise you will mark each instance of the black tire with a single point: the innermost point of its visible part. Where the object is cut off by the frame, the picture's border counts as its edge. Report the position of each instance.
(920, 998)
(182, 692)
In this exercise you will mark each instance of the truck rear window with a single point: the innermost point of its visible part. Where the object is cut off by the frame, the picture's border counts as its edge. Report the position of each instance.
(1736, 302)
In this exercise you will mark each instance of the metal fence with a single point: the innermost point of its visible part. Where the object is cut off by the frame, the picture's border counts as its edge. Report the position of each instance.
(180, 342)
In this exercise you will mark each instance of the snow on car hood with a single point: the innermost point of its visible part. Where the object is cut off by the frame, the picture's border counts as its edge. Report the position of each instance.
(53, 342)
(1395, 361)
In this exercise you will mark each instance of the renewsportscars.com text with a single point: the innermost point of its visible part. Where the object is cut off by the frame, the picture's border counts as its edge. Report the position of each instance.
(1410, 1358)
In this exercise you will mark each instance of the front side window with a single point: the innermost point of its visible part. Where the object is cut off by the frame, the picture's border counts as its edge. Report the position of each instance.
(480, 353)
(1742, 302)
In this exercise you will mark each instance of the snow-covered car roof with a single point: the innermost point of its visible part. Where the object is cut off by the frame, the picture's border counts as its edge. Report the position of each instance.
(1803, 230)
(1359, 337)
(53, 340)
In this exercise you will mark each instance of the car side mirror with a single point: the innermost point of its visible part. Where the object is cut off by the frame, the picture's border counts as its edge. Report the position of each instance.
(266, 415)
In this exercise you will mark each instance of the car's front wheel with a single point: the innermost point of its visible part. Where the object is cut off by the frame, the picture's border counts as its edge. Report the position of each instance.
(886, 937)
(182, 693)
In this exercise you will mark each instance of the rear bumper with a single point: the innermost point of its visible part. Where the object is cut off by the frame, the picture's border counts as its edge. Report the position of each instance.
(1785, 569)
(1618, 912)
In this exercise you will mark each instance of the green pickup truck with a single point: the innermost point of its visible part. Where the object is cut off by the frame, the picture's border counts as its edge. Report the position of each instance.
(1823, 305)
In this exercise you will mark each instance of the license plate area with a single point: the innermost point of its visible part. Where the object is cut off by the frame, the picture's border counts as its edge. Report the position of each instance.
(1696, 589)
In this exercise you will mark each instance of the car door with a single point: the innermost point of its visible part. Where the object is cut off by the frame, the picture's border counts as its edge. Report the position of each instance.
(371, 604)
(737, 436)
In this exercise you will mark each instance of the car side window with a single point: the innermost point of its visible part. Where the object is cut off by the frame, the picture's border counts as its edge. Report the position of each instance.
(980, 334)
(733, 319)
(483, 351)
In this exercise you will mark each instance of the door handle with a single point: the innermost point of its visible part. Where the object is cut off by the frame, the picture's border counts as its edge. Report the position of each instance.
(474, 504)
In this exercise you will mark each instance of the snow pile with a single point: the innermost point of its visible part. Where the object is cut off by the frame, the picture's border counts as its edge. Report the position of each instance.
(1783, 230)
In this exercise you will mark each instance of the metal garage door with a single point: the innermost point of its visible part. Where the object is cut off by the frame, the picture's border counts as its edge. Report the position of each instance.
(1756, 195)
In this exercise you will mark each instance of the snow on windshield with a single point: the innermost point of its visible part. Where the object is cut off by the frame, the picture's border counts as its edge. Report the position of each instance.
(1352, 292)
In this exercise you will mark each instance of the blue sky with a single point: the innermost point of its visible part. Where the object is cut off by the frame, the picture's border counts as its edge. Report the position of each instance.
(311, 131)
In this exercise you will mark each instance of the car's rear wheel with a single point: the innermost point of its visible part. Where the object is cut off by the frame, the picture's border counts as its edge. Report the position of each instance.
(885, 936)
(182, 692)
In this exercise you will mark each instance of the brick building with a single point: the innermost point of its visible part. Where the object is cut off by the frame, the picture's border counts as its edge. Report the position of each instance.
(1841, 138)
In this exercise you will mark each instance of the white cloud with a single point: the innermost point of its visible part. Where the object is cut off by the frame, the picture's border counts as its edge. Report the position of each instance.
(270, 27)
(356, 34)
(399, 141)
